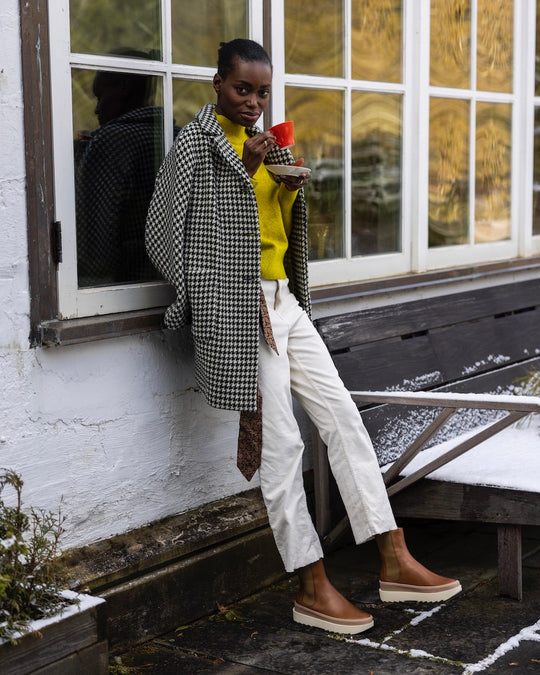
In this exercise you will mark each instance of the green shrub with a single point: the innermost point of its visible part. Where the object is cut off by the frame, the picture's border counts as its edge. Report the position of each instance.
(30, 575)
(529, 385)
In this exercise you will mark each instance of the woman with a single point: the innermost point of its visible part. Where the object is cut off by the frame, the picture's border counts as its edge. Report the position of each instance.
(221, 228)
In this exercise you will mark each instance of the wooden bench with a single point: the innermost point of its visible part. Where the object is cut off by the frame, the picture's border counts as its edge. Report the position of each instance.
(476, 342)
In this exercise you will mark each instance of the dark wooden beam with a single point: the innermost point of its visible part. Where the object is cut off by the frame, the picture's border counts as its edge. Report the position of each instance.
(39, 164)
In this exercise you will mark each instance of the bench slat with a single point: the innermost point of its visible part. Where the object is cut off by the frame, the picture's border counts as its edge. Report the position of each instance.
(526, 404)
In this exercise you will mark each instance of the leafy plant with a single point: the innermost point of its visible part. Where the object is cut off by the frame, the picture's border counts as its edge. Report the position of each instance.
(529, 385)
(30, 575)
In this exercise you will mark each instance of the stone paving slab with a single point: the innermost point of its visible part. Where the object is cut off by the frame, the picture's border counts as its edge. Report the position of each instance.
(476, 632)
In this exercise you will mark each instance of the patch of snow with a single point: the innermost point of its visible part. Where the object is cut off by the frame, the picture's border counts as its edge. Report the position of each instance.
(416, 653)
(81, 602)
(531, 633)
(498, 360)
(419, 382)
(510, 459)
(425, 615)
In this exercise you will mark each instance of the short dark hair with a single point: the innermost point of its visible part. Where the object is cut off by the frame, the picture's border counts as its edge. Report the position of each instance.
(246, 50)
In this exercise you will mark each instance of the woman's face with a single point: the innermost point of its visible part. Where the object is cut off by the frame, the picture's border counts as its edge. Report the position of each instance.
(243, 95)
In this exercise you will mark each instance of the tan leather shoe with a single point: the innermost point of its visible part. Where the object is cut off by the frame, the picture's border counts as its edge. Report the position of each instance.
(319, 604)
(404, 578)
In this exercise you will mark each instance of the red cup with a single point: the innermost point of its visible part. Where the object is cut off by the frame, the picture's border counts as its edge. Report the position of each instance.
(284, 134)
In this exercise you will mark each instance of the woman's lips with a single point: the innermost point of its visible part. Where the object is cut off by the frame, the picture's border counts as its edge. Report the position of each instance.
(249, 116)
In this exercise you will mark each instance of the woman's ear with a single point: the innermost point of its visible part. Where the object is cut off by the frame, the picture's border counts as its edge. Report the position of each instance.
(217, 83)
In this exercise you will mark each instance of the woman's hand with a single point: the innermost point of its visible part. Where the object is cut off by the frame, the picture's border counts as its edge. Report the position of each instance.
(295, 182)
(255, 149)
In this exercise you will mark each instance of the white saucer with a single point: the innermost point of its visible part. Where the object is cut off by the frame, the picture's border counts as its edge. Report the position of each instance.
(287, 170)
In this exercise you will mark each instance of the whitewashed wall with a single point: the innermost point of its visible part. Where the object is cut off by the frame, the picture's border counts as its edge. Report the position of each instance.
(113, 428)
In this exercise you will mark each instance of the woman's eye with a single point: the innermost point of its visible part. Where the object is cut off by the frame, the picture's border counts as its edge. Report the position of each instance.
(241, 90)
(264, 94)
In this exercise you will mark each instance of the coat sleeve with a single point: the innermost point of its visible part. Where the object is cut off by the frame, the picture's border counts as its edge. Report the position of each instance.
(166, 223)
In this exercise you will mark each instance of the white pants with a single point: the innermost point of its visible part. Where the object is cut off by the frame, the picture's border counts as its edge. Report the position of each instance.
(305, 369)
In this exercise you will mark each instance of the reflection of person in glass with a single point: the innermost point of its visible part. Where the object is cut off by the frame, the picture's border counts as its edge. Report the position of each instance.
(232, 240)
(115, 178)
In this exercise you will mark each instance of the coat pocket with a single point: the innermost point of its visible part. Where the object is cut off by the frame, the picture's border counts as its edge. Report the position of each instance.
(202, 288)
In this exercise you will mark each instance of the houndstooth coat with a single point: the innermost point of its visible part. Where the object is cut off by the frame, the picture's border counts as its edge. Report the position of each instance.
(202, 234)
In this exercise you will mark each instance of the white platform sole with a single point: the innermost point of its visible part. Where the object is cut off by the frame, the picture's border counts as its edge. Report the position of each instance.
(308, 617)
(390, 592)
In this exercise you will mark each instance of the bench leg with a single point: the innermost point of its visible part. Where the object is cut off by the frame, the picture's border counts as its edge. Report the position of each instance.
(510, 562)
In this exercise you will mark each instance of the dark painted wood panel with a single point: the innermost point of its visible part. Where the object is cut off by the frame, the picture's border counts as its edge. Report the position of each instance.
(453, 501)
(57, 641)
(486, 344)
(93, 660)
(382, 365)
(344, 330)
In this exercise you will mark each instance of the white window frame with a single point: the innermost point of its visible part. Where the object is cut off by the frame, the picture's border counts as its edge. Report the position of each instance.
(73, 301)
(415, 88)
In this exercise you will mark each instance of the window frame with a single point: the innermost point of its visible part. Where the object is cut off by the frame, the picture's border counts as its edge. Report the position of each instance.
(75, 302)
(46, 328)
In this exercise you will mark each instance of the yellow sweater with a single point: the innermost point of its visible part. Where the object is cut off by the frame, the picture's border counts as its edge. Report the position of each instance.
(274, 203)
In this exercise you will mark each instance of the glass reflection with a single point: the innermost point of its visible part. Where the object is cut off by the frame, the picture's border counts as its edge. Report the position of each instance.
(376, 173)
(536, 178)
(97, 26)
(318, 133)
(495, 45)
(314, 37)
(493, 171)
(450, 43)
(115, 168)
(199, 27)
(376, 38)
(448, 172)
(189, 97)
(537, 73)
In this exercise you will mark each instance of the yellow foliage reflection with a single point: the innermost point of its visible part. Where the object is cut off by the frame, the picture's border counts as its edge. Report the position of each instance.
(318, 120)
(314, 37)
(448, 172)
(493, 171)
(376, 36)
(450, 43)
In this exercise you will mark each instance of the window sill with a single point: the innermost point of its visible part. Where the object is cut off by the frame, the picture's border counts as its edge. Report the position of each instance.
(73, 331)
(423, 279)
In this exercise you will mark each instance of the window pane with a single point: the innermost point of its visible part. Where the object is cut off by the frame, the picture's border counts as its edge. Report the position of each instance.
(318, 133)
(376, 173)
(199, 27)
(376, 38)
(189, 96)
(448, 172)
(314, 37)
(537, 77)
(493, 171)
(116, 160)
(119, 27)
(450, 43)
(495, 45)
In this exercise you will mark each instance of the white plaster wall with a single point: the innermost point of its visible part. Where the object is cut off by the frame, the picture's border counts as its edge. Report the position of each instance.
(114, 429)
